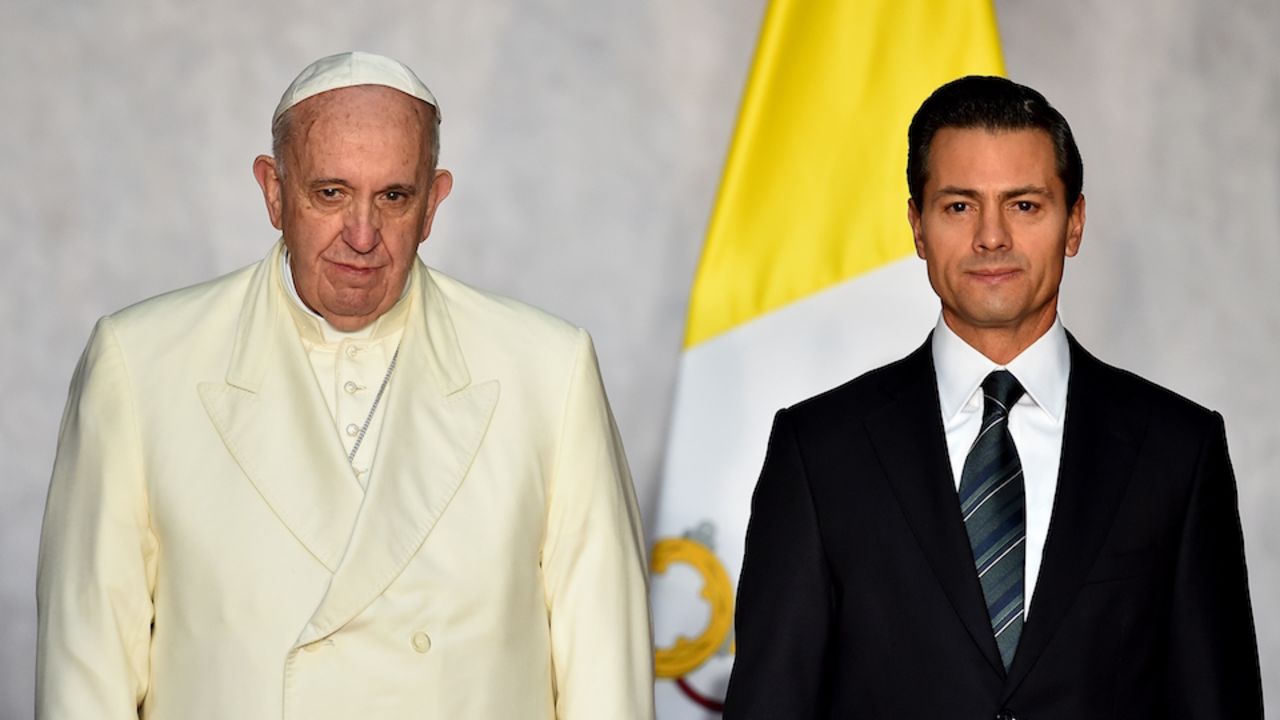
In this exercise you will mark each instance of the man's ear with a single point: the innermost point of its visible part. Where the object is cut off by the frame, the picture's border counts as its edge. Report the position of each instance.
(917, 231)
(264, 170)
(1075, 227)
(441, 184)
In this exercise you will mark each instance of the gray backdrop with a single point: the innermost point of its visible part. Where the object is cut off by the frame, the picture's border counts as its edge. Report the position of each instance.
(586, 138)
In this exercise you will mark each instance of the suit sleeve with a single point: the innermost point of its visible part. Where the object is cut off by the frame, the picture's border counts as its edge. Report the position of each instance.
(97, 554)
(1213, 652)
(593, 562)
(784, 612)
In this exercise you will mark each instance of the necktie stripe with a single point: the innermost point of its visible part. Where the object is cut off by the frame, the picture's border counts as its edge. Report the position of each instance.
(994, 423)
(1007, 612)
(1002, 555)
(993, 506)
(993, 399)
(992, 470)
(1006, 626)
(1000, 526)
(992, 494)
(993, 551)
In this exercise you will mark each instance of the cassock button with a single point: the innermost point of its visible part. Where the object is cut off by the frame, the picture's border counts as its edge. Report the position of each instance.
(421, 642)
(350, 387)
(352, 351)
(353, 430)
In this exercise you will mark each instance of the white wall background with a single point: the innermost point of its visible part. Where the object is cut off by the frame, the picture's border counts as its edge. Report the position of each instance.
(586, 138)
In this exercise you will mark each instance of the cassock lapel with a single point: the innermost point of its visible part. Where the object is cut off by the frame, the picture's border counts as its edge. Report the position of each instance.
(434, 423)
(910, 442)
(1100, 442)
(273, 420)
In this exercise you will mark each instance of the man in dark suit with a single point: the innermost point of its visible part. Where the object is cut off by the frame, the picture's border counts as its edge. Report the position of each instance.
(998, 525)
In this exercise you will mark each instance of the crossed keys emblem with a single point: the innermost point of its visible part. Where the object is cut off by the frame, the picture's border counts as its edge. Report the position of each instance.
(688, 654)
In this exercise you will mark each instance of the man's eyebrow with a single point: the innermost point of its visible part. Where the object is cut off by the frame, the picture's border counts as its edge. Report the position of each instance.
(320, 182)
(1027, 190)
(954, 190)
(1004, 195)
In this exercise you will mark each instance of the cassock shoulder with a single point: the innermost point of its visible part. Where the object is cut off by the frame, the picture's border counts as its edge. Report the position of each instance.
(483, 317)
(533, 353)
(194, 321)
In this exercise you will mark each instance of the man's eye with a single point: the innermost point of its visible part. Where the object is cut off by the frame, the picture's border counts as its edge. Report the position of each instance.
(395, 196)
(957, 207)
(1025, 206)
(330, 193)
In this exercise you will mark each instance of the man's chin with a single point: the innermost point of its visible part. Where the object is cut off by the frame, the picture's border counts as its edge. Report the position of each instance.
(350, 314)
(349, 323)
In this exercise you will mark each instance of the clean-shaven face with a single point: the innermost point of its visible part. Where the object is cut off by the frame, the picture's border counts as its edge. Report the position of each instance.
(357, 198)
(994, 230)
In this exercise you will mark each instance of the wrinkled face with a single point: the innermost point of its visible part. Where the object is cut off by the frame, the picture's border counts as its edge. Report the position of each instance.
(994, 230)
(357, 198)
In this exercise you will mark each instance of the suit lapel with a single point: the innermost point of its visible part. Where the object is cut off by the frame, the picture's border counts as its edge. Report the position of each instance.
(273, 420)
(1100, 443)
(910, 442)
(434, 424)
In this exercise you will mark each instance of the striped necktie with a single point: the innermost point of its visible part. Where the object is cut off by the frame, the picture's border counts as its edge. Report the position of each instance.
(992, 502)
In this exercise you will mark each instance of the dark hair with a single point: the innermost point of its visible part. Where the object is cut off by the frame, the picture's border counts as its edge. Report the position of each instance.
(990, 103)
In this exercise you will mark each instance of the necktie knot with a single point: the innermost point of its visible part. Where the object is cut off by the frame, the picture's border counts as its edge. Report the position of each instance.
(1002, 391)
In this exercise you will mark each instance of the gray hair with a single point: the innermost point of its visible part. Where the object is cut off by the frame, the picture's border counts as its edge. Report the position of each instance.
(282, 133)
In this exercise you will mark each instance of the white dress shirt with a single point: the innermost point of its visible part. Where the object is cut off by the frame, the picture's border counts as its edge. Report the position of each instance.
(349, 368)
(1035, 422)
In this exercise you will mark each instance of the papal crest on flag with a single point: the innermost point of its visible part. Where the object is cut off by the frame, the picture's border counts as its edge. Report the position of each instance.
(807, 279)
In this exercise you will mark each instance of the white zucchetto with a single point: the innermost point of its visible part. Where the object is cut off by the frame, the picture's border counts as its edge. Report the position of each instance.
(350, 69)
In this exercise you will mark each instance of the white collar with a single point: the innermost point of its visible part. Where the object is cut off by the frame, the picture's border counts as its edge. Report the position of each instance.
(1042, 369)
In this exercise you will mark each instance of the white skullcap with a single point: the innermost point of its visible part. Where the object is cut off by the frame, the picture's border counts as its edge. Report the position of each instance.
(348, 70)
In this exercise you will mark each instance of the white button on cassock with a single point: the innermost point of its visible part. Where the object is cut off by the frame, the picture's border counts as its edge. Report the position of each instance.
(353, 429)
(421, 642)
(350, 387)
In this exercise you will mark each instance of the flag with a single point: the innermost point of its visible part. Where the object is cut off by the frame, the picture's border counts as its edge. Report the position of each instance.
(807, 279)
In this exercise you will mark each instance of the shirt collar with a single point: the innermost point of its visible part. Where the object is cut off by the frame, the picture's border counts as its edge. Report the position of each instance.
(316, 330)
(1043, 370)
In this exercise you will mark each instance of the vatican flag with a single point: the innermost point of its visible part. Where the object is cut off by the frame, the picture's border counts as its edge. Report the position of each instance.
(807, 279)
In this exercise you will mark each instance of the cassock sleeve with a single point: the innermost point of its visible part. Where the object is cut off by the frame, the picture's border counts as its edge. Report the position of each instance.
(593, 562)
(1213, 651)
(97, 562)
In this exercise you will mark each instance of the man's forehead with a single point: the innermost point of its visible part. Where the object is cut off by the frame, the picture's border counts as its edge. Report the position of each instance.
(961, 149)
(349, 132)
(370, 102)
(969, 161)
(353, 69)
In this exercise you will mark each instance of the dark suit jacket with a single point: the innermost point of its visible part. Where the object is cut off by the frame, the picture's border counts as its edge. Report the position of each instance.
(859, 599)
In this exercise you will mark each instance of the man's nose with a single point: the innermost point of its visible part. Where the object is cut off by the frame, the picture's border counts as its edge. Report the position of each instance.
(992, 231)
(363, 228)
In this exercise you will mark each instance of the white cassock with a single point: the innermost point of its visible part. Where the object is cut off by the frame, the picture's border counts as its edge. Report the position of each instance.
(209, 551)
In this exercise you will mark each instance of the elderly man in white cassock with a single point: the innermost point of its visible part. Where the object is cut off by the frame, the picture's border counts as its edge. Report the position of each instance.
(337, 483)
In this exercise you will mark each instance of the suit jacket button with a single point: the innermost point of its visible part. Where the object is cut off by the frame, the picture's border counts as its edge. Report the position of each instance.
(421, 642)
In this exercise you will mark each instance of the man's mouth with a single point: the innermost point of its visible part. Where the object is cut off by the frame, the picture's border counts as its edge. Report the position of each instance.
(994, 275)
(361, 270)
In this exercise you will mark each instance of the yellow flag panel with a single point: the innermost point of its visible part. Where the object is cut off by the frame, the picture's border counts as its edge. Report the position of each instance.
(814, 189)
